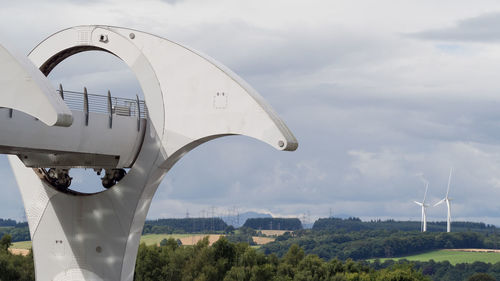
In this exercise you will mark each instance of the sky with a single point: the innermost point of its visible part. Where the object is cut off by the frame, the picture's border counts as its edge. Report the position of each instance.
(380, 95)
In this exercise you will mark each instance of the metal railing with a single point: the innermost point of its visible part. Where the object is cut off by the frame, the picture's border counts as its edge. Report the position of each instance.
(92, 103)
(82, 101)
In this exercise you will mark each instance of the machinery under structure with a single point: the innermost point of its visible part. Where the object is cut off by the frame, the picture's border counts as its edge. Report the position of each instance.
(189, 99)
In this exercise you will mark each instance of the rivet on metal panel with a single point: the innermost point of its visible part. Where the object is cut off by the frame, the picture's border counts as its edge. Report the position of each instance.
(103, 38)
(220, 100)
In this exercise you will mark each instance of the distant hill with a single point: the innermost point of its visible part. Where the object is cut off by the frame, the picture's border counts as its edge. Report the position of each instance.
(355, 224)
(239, 220)
(356, 239)
(274, 223)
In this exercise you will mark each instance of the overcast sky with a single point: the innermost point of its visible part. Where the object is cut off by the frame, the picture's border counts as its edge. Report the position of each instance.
(378, 93)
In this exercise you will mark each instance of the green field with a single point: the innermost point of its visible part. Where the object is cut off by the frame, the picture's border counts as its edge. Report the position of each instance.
(21, 245)
(154, 239)
(452, 256)
(150, 239)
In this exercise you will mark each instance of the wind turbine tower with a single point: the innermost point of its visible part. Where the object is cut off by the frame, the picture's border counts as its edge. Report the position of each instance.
(423, 224)
(448, 203)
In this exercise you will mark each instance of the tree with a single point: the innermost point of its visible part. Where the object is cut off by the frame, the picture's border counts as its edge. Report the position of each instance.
(5, 242)
(402, 272)
(229, 229)
(481, 277)
(263, 272)
(295, 255)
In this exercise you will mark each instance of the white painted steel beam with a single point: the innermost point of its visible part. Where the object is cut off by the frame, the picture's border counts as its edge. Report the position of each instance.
(77, 146)
(191, 99)
(25, 88)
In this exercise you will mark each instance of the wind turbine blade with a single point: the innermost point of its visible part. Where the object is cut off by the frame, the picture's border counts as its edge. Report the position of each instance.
(440, 202)
(418, 203)
(449, 181)
(425, 194)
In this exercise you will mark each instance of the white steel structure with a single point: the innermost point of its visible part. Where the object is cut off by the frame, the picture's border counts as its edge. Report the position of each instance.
(189, 99)
(448, 203)
(423, 223)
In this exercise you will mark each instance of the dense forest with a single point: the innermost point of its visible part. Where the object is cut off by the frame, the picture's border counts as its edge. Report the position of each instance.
(355, 224)
(228, 261)
(239, 262)
(273, 223)
(18, 232)
(377, 243)
(444, 271)
(186, 225)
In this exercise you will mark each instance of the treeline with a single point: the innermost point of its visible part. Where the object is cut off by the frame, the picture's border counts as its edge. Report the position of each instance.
(378, 243)
(225, 261)
(186, 225)
(444, 271)
(10, 222)
(18, 231)
(355, 224)
(273, 223)
(228, 261)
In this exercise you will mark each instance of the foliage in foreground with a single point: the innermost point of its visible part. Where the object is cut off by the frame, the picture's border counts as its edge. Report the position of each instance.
(229, 261)
(239, 262)
(445, 271)
(15, 267)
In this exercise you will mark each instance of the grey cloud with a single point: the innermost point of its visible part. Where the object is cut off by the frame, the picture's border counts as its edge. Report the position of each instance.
(483, 28)
(99, 72)
(173, 2)
(353, 149)
(252, 50)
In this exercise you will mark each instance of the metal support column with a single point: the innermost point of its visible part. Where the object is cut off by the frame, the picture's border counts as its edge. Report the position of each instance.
(86, 105)
(110, 110)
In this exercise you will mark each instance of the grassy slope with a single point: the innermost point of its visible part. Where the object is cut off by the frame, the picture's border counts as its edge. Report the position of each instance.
(453, 257)
(441, 255)
(152, 239)
(21, 245)
(149, 239)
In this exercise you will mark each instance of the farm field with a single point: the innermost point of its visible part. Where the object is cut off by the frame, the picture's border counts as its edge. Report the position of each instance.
(190, 239)
(155, 239)
(274, 232)
(149, 239)
(186, 239)
(453, 256)
(25, 245)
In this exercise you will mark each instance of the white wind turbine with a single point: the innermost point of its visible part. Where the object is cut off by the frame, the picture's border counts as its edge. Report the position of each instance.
(423, 224)
(448, 203)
